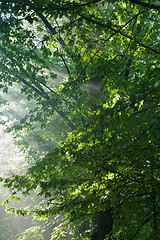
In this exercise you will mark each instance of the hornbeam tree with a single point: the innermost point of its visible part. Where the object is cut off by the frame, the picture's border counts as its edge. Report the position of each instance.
(104, 177)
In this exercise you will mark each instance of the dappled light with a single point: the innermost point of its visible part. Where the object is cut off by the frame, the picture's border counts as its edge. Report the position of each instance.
(79, 120)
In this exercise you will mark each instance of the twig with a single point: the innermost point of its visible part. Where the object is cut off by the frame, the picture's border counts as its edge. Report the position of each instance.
(116, 31)
(123, 34)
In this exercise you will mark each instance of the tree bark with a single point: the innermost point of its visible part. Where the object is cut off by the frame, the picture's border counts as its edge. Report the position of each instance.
(104, 225)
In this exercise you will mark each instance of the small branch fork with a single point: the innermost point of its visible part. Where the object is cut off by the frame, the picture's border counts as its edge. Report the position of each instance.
(116, 31)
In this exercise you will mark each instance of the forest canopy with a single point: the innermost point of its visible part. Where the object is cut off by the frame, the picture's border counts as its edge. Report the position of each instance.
(102, 170)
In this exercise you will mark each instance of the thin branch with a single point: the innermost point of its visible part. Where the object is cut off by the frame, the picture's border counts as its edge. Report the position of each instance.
(70, 23)
(144, 4)
(53, 32)
(53, 92)
(139, 229)
(123, 34)
(61, 56)
(116, 31)
(63, 7)
(64, 63)
(42, 93)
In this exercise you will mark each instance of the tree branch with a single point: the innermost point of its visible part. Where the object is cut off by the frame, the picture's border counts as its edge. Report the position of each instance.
(66, 6)
(139, 229)
(64, 62)
(53, 92)
(115, 32)
(53, 32)
(143, 4)
(123, 34)
(42, 93)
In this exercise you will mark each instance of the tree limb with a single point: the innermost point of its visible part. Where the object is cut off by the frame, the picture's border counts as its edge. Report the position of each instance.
(42, 93)
(123, 34)
(144, 4)
(115, 32)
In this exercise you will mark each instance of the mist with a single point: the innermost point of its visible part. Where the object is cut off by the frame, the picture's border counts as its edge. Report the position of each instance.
(18, 151)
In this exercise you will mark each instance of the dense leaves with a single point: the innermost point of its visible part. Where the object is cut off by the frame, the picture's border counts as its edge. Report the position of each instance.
(104, 176)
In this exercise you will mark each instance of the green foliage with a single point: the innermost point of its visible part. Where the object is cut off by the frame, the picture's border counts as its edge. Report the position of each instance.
(32, 233)
(108, 162)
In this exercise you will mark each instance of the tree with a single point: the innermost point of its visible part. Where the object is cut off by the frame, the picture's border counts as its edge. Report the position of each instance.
(106, 170)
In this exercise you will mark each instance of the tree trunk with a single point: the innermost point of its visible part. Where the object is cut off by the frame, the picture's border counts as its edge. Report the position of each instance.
(104, 225)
